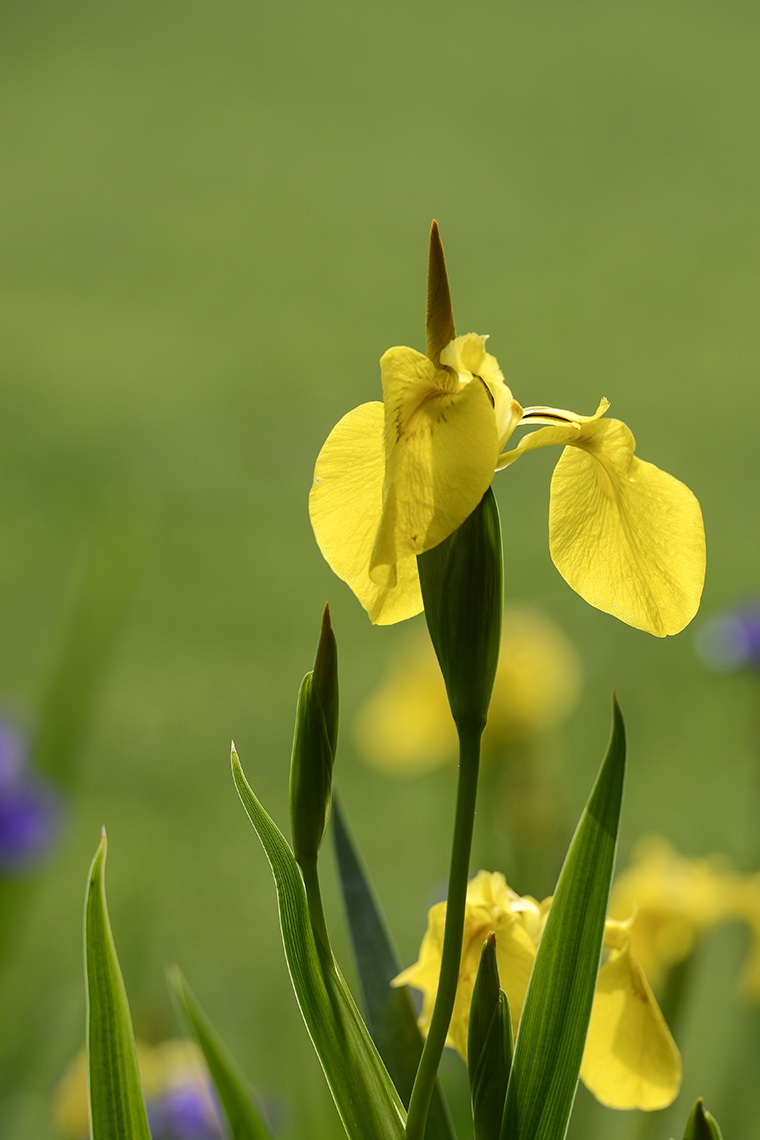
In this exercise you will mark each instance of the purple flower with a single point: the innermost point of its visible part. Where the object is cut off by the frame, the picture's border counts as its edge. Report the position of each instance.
(731, 640)
(185, 1112)
(30, 808)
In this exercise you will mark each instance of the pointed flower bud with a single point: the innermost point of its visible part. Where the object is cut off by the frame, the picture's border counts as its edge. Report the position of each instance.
(462, 587)
(489, 1046)
(439, 317)
(701, 1124)
(314, 745)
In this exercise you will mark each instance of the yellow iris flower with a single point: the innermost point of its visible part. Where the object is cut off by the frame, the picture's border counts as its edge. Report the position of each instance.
(630, 1059)
(394, 479)
(678, 901)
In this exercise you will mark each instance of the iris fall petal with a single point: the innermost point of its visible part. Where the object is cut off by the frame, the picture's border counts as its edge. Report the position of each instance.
(345, 505)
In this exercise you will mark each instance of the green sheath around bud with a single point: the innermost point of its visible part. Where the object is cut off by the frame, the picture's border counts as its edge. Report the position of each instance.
(489, 1046)
(701, 1124)
(314, 745)
(462, 587)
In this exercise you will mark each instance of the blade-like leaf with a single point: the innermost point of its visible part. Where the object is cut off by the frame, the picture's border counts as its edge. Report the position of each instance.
(364, 1095)
(117, 1109)
(243, 1115)
(701, 1124)
(552, 1031)
(389, 1012)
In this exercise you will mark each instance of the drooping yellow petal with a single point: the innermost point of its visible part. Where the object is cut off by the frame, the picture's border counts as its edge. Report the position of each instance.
(441, 445)
(626, 536)
(345, 506)
(630, 1059)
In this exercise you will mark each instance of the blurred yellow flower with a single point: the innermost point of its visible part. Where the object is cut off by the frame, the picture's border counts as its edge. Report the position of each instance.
(678, 900)
(630, 1060)
(405, 726)
(171, 1069)
(396, 478)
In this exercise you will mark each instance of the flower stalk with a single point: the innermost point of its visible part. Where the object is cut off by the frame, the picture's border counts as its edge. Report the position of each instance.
(467, 790)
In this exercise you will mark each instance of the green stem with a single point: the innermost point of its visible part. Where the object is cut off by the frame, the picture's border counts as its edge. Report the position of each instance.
(451, 956)
(314, 899)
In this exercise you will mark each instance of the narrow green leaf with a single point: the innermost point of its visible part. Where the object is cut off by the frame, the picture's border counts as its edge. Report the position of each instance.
(117, 1109)
(489, 1046)
(389, 1011)
(364, 1095)
(701, 1124)
(552, 1031)
(245, 1119)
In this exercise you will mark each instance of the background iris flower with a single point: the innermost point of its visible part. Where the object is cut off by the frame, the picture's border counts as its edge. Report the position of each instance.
(180, 1100)
(630, 1060)
(404, 727)
(679, 900)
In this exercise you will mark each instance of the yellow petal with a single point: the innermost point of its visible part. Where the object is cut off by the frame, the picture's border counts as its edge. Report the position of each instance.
(630, 1060)
(468, 357)
(563, 428)
(626, 536)
(345, 505)
(440, 451)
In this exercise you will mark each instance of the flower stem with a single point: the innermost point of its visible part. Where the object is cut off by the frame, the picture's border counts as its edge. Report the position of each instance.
(467, 789)
(314, 899)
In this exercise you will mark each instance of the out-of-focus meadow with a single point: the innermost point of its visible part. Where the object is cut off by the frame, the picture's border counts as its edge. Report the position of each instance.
(214, 222)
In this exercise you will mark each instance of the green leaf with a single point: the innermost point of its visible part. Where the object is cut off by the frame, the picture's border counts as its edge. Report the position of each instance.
(117, 1108)
(243, 1115)
(701, 1124)
(364, 1095)
(389, 1011)
(462, 588)
(489, 1046)
(552, 1031)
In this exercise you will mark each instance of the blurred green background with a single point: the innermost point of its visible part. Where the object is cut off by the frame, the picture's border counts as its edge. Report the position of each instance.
(215, 219)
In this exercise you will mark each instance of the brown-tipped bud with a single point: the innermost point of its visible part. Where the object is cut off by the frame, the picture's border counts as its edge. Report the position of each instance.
(439, 318)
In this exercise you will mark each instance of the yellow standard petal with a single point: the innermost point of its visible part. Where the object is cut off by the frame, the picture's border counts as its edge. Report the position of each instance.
(441, 445)
(345, 506)
(630, 1059)
(626, 536)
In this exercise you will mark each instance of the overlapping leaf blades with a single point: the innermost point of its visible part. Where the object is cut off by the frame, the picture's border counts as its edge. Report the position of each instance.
(554, 1021)
(364, 1094)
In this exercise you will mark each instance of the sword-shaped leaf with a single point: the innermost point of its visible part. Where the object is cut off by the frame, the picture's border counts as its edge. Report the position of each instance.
(367, 1102)
(243, 1115)
(552, 1031)
(389, 1012)
(117, 1108)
